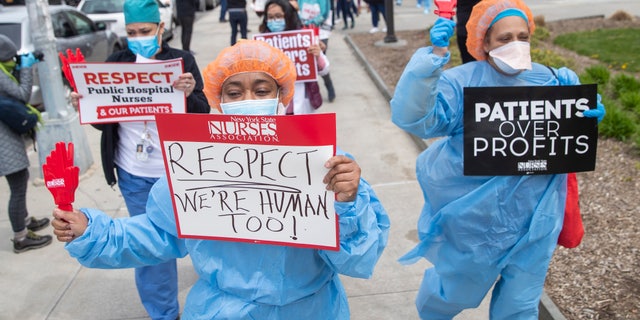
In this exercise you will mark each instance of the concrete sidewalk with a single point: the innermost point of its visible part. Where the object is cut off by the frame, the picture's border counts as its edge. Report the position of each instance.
(48, 284)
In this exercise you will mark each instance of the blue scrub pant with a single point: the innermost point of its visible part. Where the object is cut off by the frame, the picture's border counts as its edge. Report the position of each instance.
(459, 282)
(158, 284)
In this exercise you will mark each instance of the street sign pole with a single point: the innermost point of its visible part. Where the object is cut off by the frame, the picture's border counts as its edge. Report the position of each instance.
(61, 122)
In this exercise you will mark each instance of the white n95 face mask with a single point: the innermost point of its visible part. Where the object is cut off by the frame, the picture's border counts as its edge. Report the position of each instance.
(512, 57)
(260, 107)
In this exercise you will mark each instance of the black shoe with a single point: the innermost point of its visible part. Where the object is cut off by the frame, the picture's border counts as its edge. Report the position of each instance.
(345, 28)
(31, 241)
(353, 24)
(38, 224)
(332, 97)
(223, 20)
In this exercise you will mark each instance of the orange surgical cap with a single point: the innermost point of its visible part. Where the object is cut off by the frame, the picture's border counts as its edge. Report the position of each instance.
(482, 17)
(249, 56)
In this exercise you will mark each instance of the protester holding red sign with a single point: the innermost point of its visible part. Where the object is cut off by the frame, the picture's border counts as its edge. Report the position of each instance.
(131, 149)
(240, 280)
(484, 230)
(281, 16)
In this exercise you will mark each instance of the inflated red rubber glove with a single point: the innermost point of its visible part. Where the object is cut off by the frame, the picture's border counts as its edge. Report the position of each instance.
(70, 58)
(572, 228)
(61, 176)
(445, 8)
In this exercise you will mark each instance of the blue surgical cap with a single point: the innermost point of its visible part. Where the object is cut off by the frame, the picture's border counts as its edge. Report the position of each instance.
(509, 13)
(141, 11)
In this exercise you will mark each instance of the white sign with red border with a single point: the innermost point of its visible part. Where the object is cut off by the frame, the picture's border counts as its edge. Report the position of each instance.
(115, 92)
(254, 179)
(295, 44)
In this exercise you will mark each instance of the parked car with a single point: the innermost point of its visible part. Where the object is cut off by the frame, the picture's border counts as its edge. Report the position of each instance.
(51, 2)
(111, 13)
(71, 28)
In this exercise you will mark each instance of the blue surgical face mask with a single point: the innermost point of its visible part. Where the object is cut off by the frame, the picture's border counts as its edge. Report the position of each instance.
(276, 25)
(144, 46)
(260, 107)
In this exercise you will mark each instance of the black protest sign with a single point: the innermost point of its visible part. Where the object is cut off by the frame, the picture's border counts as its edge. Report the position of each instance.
(529, 130)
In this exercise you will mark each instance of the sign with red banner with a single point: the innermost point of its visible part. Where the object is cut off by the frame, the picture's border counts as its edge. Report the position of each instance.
(251, 179)
(295, 44)
(115, 92)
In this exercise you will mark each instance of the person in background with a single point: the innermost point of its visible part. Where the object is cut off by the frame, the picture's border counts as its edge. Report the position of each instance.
(237, 18)
(258, 7)
(16, 81)
(426, 4)
(345, 7)
(186, 10)
(223, 11)
(463, 11)
(315, 14)
(240, 280)
(138, 171)
(377, 8)
(281, 16)
(479, 231)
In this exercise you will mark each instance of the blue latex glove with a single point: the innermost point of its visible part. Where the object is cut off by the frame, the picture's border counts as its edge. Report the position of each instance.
(599, 112)
(441, 32)
(27, 60)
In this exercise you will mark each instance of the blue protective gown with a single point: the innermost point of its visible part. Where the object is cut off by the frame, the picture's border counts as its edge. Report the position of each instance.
(242, 280)
(475, 229)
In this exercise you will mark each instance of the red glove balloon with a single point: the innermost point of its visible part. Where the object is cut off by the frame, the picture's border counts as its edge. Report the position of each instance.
(445, 8)
(70, 58)
(61, 176)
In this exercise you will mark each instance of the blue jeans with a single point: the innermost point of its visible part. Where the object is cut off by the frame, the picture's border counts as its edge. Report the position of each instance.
(158, 284)
(376, 10)
(223, 9)
(238, 17)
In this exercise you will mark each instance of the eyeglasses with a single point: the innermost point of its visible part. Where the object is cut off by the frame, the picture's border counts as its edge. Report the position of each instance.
(275, 16)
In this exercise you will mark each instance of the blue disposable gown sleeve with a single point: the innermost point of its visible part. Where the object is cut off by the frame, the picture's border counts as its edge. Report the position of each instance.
(417, 107)
(125, 242)
(364, 231)
(567, 77)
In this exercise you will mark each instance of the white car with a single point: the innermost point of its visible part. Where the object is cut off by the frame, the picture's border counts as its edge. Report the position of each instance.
(111, 12)
(71, 29)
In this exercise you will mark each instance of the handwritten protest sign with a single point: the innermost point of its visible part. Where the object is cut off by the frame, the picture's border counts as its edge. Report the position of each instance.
(251, 178)
(115, 92)
(295, 44)
(529, 130)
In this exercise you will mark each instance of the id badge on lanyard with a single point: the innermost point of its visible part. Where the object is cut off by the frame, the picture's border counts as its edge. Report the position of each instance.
(144, 146)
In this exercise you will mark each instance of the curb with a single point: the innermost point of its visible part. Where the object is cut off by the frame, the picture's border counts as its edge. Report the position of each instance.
(547, 309)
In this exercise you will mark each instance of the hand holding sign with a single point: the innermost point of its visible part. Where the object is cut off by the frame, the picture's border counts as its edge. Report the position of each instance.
(61, 176)
(599, 112)
(343, 178)
(78, 57)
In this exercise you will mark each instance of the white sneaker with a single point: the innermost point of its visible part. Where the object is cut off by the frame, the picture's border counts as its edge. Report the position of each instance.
(374, 30)
(426, 11)
(384, 29)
